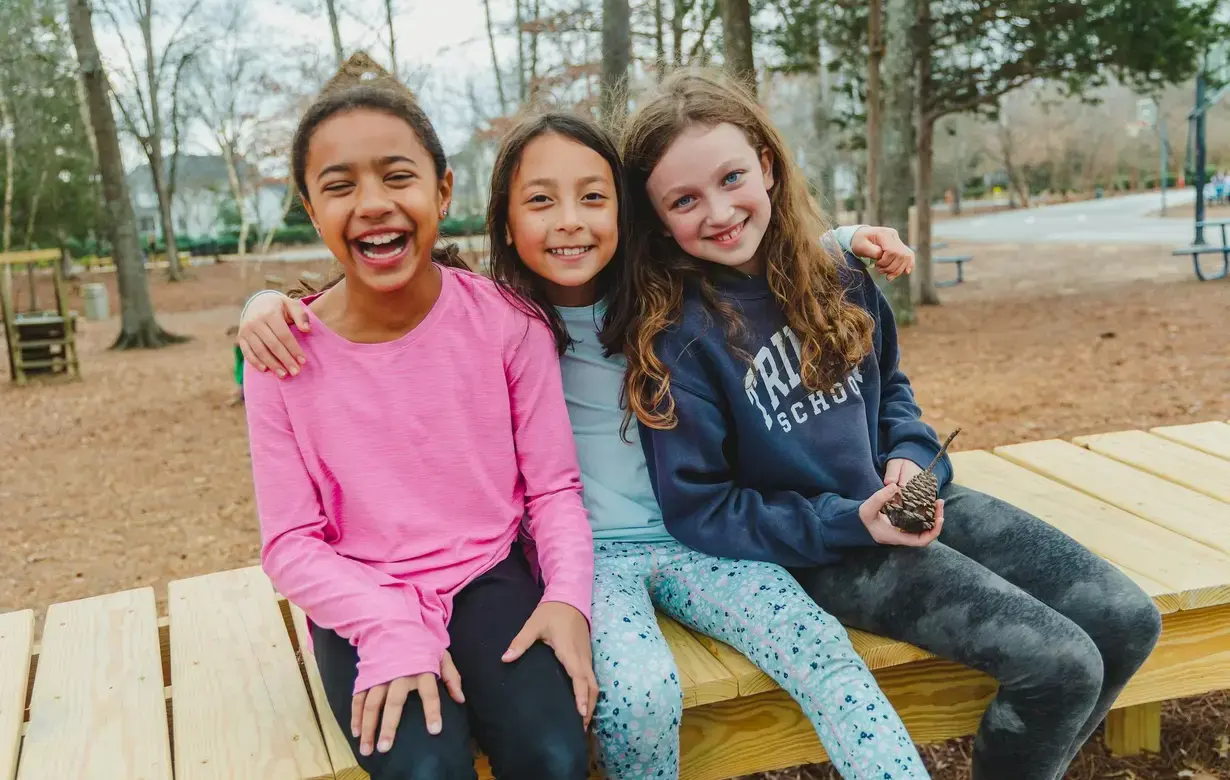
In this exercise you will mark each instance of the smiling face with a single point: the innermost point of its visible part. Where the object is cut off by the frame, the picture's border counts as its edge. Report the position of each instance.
(711, 191)
(375, 197)
(563, 216)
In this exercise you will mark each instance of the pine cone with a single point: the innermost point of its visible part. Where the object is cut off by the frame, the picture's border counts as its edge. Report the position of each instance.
(913, 509)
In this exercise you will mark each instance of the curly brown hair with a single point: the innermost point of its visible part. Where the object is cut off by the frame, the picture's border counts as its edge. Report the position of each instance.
(808, 281)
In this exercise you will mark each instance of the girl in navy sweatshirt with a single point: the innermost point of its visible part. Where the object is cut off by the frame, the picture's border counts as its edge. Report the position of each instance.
(777, 424)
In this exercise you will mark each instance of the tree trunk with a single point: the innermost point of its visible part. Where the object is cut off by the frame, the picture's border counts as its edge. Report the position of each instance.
(154, 145)
(894, 173)
(875, 147)
(737, 41)
(616, 54)
(495, 60)
(33, 215)
(534, 55)
(232, 178)
(821, 117)
(659, 38)
(521, 91)
(9, 131)
(388, 15)
(338, 52)
(138, 326)
(287, 202)
(926, 155)
(677, 16)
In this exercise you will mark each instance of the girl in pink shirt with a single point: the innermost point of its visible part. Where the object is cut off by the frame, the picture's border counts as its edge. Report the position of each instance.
(427, 426)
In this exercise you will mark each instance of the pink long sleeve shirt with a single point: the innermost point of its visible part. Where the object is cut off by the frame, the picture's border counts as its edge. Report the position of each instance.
(388, 476)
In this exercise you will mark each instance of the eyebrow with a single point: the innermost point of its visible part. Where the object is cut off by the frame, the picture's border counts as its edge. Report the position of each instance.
(383, 161)
(545, 182)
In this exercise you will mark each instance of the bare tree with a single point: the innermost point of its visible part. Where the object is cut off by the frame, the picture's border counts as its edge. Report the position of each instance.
(138, 327)
(9, 134)
(737, 40)
(659, 39)
(338, 52)
(926, 147)
(495, 60)
(893, 170)
(616, 55)
(141, 105)
(875, 146)
(388, 15)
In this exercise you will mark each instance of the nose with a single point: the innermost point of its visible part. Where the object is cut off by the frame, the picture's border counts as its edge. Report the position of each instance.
(721, 211)
(373, 202)
(570, 218)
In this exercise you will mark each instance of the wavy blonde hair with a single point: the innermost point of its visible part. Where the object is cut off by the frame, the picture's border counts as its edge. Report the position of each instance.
(808, 282)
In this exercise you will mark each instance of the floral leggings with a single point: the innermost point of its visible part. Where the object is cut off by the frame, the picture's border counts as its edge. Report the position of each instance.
(760, 610)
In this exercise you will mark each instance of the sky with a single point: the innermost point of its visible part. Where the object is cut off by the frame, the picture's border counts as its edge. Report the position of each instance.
(441, 41)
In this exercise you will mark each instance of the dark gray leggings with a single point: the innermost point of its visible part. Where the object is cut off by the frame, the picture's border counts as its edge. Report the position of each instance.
(1005, 593)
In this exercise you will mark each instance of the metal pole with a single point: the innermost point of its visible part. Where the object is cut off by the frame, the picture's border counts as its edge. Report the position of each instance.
(1199, 178)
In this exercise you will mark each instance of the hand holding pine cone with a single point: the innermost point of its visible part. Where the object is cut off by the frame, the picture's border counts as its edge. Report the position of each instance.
(913, 509)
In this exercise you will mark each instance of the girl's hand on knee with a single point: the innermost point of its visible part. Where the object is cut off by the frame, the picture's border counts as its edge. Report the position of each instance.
(564, 629)
(451, 678)
(265, 337)
(871, 512)
(381, 706)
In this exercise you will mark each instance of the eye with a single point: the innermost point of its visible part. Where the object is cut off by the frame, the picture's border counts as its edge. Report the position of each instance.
(337, 187)
(686, 200)
(732, 177)
(538, 199)
(401, 177)
(594, 196)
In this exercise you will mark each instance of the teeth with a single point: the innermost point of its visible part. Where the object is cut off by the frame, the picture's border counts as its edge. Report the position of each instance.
(383, 238)
(572, 251)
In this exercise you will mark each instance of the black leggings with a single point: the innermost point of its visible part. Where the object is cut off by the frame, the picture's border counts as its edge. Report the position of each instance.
(1005, 593)
(522, 714)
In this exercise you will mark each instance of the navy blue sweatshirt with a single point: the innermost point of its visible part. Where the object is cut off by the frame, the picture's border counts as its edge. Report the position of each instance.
(761, 468)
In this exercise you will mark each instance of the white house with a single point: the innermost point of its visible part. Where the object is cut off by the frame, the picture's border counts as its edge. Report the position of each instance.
(201, 194)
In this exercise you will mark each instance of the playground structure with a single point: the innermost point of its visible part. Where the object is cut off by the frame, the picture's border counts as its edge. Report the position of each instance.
(41, 342)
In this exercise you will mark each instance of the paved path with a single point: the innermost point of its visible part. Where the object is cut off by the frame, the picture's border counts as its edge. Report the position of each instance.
(1123, 220)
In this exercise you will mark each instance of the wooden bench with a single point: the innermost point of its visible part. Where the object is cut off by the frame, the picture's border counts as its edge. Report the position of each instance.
(959, 261)
(218, 689)
(1196, 250)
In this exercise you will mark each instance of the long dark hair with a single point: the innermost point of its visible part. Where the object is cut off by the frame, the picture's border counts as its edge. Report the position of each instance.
(362, 84)
(520, 285)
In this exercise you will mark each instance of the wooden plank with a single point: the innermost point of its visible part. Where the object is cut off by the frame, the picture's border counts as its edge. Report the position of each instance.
(1198, 575)
(1184, 511)
(16, 644)
(1180, 464)
(341, 757)
(936, 699)
(97, 711)
(241, 707)
(29, 256)
(704, 680)
(748, 676)
(1210, 437)
(881, 652)
(1133, 730)
(1191, 658)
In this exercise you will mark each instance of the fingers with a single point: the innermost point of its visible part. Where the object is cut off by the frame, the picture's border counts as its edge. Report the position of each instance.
(394, 703)
(282, 344)
(250, 356)
(522, 641)
(356, 713)
(430, 696)
(885, 494)
(451, 678)
(256, 346)
(296, 314)
(582, 675)
(372, 706)
(593, 697)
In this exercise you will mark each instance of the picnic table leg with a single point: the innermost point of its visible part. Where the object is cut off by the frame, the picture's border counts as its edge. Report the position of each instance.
(1131, 730)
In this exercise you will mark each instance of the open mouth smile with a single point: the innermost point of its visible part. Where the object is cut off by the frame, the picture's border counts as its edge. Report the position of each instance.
(381, 248)
(729, 236)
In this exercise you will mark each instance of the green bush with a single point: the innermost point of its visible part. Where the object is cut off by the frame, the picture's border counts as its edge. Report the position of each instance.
(463, 226)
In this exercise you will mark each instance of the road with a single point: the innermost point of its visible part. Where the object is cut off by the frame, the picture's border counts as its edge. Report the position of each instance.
(1121, 220)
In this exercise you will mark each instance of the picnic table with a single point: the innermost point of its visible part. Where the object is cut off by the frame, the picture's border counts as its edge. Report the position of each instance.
(1196, 250)
(220, 688)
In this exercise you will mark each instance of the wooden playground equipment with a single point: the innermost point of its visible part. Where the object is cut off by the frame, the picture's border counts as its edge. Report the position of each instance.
(41, 342)
(223, 686)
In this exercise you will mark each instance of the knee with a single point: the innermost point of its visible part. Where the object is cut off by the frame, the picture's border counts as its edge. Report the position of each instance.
(560, 753)
(426, 765)
(651, 697)
(1067, 664)
(1136, 626)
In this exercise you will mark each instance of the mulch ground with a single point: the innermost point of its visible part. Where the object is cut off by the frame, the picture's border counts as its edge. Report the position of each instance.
(139, 473)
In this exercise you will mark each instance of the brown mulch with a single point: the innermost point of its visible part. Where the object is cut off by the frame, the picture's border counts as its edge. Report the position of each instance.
(138, 474)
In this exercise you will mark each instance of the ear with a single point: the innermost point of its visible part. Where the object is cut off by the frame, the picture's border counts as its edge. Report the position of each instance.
(307, 206)
(446, 189)
(766, 167)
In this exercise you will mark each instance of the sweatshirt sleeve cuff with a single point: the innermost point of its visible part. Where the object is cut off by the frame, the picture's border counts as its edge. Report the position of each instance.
(845, 234)
(846, 529)
(920, 453)
(402, 662)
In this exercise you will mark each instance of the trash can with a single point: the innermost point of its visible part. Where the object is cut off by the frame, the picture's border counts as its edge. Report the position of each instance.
(97, 306)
